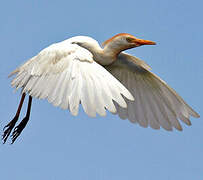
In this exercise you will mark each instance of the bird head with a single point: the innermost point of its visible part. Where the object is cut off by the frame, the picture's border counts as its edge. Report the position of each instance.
(126, 41)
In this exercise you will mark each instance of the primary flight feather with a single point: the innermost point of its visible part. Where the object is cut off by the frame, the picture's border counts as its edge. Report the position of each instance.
(78, 71)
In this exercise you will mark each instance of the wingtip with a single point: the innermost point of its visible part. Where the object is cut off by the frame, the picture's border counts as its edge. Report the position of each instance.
(130, 97)
(13, 72)
(197, 115)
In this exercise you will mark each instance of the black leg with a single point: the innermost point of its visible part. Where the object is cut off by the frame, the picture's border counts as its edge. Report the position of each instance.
(18, 129)
(8, 128)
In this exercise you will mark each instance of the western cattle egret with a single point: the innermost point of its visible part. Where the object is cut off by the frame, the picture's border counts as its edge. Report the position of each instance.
(78, 70)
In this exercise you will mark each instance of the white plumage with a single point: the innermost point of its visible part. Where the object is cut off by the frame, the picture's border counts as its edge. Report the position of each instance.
(78, 70)
(156, 104)
(66, 74)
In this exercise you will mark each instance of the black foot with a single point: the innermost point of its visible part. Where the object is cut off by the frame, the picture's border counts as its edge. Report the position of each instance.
(18, 129)
(8, 128)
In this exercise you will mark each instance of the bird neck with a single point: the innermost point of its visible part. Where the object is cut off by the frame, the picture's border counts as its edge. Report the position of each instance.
(113, 49)
(110, 53)
(102, 56)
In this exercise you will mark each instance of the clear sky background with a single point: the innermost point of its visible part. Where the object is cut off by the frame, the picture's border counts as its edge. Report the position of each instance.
(56, 145)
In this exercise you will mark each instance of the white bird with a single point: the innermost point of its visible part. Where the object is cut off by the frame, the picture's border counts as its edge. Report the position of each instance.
(78, 71)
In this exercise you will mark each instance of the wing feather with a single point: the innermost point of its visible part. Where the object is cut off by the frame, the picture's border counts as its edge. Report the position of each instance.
(87, 95)
(156, 104)
(105, 93)
(99, 100)
(150, 106)
(66, 75)
(75, 93)
(141, 106)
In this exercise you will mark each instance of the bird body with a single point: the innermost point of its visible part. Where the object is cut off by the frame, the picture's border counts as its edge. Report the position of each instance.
(78, 70)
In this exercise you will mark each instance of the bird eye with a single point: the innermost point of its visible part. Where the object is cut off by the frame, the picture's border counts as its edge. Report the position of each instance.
(129, 39)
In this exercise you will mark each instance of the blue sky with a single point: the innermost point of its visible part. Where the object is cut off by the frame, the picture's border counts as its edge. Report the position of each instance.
(56, 145)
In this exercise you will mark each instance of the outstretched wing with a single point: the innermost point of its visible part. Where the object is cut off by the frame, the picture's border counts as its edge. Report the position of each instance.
(156, 104)
(67, 75)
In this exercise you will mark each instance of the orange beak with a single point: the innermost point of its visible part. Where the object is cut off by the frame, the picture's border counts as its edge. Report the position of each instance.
(142, 42)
